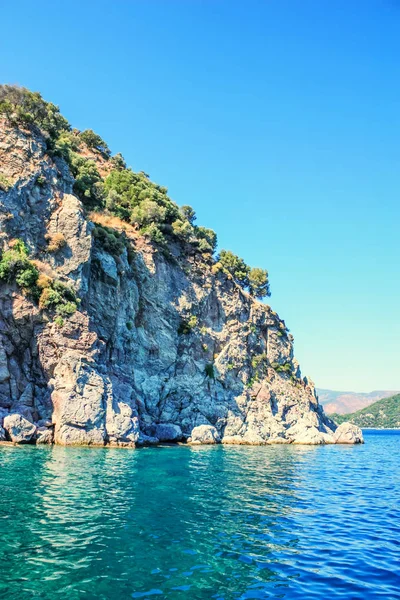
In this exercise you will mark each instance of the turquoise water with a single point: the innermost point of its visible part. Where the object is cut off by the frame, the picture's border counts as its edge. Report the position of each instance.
(285, 522)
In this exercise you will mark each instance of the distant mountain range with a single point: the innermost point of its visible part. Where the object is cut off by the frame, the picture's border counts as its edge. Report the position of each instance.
(342, 403)
(384, 414)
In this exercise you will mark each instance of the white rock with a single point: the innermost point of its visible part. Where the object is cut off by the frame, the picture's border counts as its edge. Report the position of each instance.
(205, 434)
(347, 433)
(44, 436)
(311, 435)
(122, 425)
(18, 428)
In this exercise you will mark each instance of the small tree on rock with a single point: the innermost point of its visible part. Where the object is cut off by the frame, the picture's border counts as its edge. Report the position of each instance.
(258, 283)
(235, 266)
(189, 213)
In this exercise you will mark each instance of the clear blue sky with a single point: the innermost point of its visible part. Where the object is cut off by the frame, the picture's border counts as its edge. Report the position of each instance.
(277, 120)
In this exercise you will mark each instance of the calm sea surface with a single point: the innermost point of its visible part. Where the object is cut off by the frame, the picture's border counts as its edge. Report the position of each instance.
(226, 523)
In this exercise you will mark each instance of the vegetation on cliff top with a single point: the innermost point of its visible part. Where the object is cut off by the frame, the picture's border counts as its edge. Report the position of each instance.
(383, 414)
(120, 191)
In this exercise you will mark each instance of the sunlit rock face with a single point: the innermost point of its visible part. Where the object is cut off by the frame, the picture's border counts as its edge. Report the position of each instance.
(122, 370)
(347, 433)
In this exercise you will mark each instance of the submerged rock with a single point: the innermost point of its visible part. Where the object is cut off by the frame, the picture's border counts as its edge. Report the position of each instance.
(19, 429)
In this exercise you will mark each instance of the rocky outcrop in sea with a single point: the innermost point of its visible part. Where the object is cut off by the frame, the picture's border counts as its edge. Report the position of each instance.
(162, 347)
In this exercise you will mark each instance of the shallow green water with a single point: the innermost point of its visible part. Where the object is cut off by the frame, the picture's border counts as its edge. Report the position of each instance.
(187, 522)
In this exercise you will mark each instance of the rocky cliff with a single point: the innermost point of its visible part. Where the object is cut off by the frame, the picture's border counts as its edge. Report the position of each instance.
(163, 346)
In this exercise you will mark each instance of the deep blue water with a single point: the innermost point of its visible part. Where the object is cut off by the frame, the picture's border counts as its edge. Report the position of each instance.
(285, 522)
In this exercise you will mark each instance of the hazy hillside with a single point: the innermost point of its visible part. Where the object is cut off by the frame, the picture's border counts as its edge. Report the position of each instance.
(348, 402)
(384, 414)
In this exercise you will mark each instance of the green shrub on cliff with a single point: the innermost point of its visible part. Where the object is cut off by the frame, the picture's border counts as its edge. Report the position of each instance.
(66, 143)
(40, 181)
(23, 107)
(187, 325)
(94, 141)
(206, 239)
(86, 176)
(188, 213)
(59, 297)
(5, 184)
(234, 265)
(154, 233)
(258, 360)
(147, 212)
(282, 368)
(118, 162)
(15, 266)
(109, 239)
(253, 279)
(66, 309)
(134, 198)
(182, 230)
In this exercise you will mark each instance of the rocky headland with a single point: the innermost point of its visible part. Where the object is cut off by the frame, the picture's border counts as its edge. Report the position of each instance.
(118, 325)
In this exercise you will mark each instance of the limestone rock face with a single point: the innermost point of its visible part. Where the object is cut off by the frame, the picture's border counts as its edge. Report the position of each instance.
(2, 435)
(44, 436)
(79, 402)
(19, 429)
(123, 369)
(122, 426)
(347, 433)
(205, 434)
(74, 259)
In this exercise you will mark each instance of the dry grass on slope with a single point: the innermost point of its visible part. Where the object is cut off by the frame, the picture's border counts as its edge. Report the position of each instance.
(111, 221)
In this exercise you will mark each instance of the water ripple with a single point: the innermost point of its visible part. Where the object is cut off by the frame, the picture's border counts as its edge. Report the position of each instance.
(228, 523)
